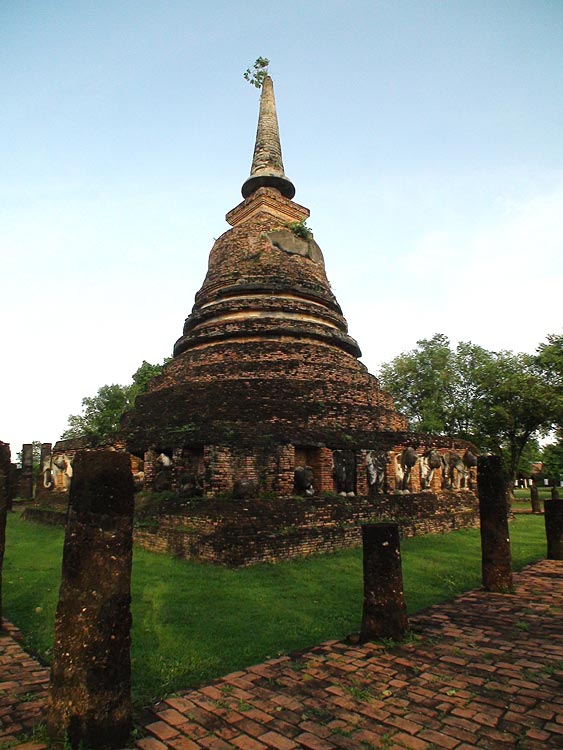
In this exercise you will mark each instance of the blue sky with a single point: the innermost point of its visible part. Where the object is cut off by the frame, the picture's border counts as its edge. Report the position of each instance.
(426, 138)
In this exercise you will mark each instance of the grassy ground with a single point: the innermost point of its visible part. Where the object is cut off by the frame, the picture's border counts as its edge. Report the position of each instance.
(193, 622)
(522, 500)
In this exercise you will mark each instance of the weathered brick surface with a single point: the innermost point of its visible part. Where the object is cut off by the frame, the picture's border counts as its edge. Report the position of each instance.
(23, 689)
(250, 531)
(265, 357)
(458, 684)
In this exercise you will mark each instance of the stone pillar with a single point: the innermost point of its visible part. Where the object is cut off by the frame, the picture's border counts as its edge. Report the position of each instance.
(12, 484)
(554, 493)
(554, 528)
(283, 480)
(535, 498)
(90, 695)
(5, 471)
(326, 480)
(493, 512)
(25, 489)
(362, 485)
(385, 613)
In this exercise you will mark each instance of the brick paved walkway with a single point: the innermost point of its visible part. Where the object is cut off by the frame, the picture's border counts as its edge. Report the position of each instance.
(485, 671)
(23, 690)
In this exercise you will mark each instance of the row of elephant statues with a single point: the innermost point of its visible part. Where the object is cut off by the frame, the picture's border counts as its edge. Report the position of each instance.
(455, 470)
(380, 466)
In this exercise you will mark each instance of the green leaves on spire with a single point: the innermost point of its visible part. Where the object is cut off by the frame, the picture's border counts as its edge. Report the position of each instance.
(259, 72)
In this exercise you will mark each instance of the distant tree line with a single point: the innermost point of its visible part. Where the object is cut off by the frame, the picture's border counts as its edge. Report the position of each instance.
(504, 402)
(101, 414)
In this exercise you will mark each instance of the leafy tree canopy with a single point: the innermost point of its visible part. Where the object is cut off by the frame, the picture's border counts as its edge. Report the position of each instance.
(101, 414)
(550, 362)
(552, 460)
(498, 400)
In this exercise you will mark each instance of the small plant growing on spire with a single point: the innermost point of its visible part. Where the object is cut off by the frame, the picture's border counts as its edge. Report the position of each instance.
(300, 229)
(259, 72)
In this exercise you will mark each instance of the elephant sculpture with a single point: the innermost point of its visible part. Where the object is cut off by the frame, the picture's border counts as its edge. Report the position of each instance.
(61, 467)
(244, 489)
(456, 470)
(47, 473)
(376, 462)
(344, 472)
(430, 461)
(406, 461)
(303, 481)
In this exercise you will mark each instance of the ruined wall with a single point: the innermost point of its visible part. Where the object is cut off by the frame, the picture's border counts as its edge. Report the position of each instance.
(395, 462)
(255, 531)
(56, 466)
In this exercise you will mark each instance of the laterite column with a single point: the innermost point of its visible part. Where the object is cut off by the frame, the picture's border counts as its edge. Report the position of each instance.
(25, 489)
(493, 511)
(90, 698)
(385, 612)
(5, 469)
(535, 498)
(554, 528)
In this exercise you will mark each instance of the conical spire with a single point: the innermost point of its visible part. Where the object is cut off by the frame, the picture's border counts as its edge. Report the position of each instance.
(267, 164)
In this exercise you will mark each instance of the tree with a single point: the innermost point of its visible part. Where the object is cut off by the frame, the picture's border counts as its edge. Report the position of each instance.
(258, 73)
(498, 400)
(101, 414)
(421, 382)
(552, 460)
(517, 404)
(550, 362)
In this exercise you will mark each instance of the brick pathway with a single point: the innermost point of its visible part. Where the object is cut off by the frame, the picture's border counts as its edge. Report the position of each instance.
(23, 690)
(485, 671)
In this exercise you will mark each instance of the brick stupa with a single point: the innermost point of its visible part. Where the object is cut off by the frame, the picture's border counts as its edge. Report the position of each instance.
(265, 377)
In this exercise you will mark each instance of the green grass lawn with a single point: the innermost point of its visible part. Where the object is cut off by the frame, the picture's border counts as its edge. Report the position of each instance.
(522, 500)
(193, 622)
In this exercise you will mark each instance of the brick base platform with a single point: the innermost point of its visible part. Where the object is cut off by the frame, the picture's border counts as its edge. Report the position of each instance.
(483, 671)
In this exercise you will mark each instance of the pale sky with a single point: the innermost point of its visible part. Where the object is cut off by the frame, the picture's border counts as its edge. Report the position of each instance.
(426, 137)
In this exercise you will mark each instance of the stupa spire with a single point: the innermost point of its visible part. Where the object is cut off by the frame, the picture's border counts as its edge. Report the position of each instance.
(267, 164)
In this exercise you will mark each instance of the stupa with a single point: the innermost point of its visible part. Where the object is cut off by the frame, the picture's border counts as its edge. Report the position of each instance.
(265, 392)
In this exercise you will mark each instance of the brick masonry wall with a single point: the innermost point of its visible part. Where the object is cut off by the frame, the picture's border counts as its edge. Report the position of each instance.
(265, 354)
(239, 533)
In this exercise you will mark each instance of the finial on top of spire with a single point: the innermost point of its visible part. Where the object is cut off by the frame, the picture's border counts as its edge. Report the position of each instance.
(267, 165)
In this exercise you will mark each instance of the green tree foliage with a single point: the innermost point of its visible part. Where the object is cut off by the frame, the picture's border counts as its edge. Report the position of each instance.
(552, 460)
(433, 387)
(259, 71)
(498, 400)
(101, 414)
(550, 362)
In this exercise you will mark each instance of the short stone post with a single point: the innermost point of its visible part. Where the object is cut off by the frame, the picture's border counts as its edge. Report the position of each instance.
(90, 695)
(554, 493)
(493, 511)
(25, 489)
(5, 486)
(554, 527)
(535, 498)
(385, 612)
